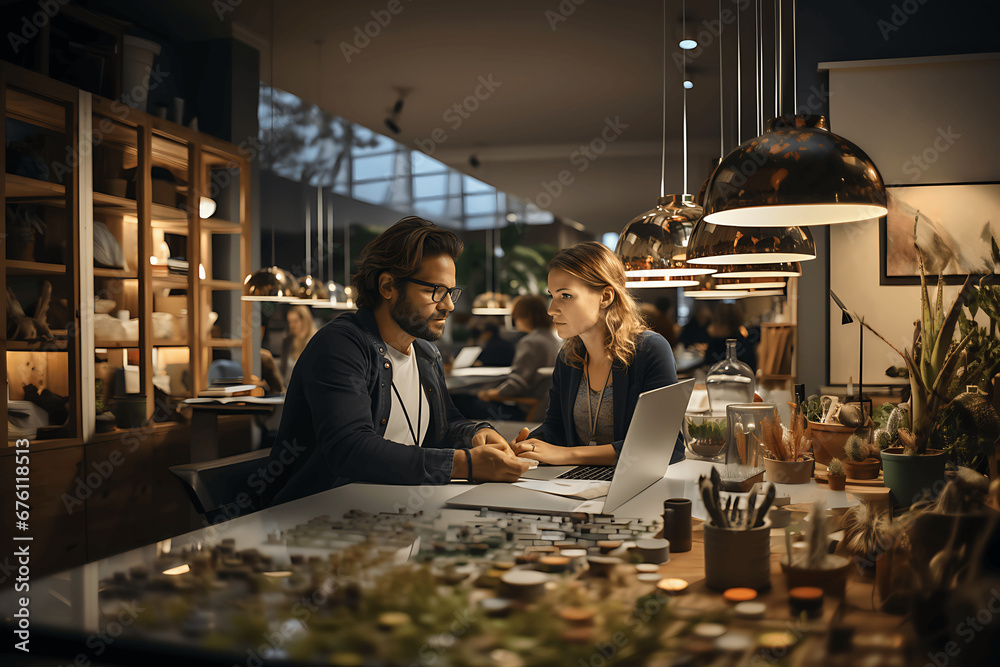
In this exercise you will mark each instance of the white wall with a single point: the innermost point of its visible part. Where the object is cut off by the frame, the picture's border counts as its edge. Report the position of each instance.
(895, 110)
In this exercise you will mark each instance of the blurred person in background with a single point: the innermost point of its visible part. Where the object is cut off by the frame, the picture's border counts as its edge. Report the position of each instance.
(301, 328)
(497, 350)
(659, 320)
(695, 332)
(535, 350)
(727, 322)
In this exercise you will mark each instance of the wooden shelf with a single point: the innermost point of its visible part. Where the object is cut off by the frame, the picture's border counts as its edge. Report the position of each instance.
(170, 342)
(24, 346)
(114, 273)
(17, 267)
(225, 342)
(120, 344)
(222, 284)
(219, 226)
(21, 188)
(170, 281)
(167, 218)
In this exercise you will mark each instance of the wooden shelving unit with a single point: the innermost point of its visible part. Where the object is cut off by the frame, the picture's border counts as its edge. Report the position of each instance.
(133, 150)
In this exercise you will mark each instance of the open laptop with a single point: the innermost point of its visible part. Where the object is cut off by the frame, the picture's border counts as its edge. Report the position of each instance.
(643, 461)
(467, 356)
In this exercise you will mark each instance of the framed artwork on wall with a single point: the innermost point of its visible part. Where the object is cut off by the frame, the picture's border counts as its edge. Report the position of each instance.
(954, 232)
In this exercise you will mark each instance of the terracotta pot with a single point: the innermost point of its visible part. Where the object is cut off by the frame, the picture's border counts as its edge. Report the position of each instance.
(829, 441)
(832, 580)
(837, 482)
(867, 469)
(788, 472)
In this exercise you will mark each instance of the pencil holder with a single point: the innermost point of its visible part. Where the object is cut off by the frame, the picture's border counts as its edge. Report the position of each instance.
(738, 558)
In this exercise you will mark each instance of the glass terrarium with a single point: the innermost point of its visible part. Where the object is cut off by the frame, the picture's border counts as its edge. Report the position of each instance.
(705, 435)
(729, 381)
(745, 437)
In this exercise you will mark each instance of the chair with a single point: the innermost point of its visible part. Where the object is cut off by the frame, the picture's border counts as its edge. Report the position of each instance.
(224, 488)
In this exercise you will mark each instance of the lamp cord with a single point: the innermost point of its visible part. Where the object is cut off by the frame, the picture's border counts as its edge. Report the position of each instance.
(722, 127)
(663, 152)
(684, 124)
(739, 77)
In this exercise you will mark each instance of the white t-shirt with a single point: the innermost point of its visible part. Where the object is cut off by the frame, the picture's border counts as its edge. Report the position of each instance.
(406, 377)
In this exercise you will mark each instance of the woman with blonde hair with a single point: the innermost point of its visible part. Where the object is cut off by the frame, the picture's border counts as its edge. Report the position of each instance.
(607, 360)
(301, 328)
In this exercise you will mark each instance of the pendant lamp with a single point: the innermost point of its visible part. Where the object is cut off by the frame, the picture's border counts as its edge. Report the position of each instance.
(492, 303)
(270, 284)
(652, 246)
(796, 173)
(780, 270)
(716, 244)
(749, 283)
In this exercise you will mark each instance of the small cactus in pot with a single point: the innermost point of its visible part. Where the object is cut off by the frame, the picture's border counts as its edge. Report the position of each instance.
(836, 476)
(861, 461)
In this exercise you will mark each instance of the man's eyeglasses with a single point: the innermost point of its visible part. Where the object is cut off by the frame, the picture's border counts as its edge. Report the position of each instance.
(437, 296)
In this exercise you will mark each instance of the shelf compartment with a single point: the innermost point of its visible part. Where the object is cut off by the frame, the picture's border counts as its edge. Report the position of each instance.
(18, 267)
(59, 344)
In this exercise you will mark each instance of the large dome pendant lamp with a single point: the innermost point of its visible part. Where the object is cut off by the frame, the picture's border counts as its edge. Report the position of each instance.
(757, 244)
(796, 172)
(653, 245)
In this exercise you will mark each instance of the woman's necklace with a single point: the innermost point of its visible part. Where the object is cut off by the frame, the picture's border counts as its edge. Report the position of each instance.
(593, 419)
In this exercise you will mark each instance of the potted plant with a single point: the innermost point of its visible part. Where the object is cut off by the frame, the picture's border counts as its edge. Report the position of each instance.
(812, 564)
(860, 461)
(787, 459)
(938, 369)
(868, 534)
(829, 437)
(835, 475)
(705, 435)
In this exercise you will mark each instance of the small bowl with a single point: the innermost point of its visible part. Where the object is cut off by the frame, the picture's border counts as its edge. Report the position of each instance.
(703, 440)
(104, 305)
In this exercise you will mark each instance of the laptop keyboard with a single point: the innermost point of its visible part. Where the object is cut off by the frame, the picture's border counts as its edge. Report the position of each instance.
(596, 473)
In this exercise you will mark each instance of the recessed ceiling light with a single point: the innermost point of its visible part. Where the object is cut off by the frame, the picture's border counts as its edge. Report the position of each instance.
(689, 85)
(687, 44)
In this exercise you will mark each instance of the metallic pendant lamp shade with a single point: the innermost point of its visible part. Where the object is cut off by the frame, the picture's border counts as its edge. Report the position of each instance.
(717, 244)
(781, 270)
(796, 173)
(270, 284)
(654, 244)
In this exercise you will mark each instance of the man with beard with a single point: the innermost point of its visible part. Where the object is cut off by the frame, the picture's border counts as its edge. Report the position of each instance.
(367, 399)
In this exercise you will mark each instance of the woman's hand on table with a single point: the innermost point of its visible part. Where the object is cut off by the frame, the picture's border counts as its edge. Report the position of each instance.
(532, 448)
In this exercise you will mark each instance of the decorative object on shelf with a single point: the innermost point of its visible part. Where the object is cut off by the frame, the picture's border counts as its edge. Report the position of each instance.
(30, 329)
(22, 226)
(836, 476)
(206, 207)
(803, 175)
(53, 404)
(652, 246)
(130, 410)
(108, 251)
(137, 64)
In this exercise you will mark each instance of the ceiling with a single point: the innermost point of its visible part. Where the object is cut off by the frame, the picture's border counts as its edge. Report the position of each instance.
(574, 89)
